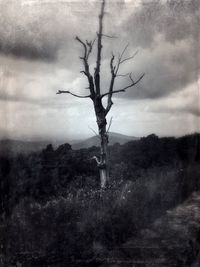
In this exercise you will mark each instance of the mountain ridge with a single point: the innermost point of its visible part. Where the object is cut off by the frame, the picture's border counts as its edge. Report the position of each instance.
(12, 146)
(113, 138)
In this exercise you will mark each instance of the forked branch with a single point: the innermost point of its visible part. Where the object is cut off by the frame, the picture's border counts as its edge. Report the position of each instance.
(114, 73)
(87, 50)
(83, 44)
(125, 88)
(90, 47)
(121, 60)
(128, 58)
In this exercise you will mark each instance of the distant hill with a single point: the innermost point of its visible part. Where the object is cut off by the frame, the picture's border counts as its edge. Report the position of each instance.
(14, 147)
(113, 138)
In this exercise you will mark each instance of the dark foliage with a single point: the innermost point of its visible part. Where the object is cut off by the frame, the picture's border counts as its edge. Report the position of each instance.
(53, 206)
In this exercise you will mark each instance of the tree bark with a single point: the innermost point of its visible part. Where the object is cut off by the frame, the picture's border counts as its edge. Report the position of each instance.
(101, 122)
(103, 169)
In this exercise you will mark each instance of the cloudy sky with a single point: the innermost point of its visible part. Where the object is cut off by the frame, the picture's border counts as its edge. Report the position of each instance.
(39, 56)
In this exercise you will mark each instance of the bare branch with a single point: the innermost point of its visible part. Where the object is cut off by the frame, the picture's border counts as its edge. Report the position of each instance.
(84, 46)
(86, 65)
(82, 71)
(96, 134)
(97, 160)
(113, 76)
(68, 92)
(90, 45)
(109, 36)
(110, 123)
(112, 68)
(129, 58)
(125, 48)
(125, 88)
(130, 76)
(122, 75)
(113, 92)
(121, 60)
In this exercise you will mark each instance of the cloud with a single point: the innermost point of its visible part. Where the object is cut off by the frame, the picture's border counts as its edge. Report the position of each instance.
(35, 32)
(167, 36)
(45, 31)
(185, 102)
(176, 20)
(40, 56)
(22, 82)
(38, 31)
(21, 49)
(24, 33)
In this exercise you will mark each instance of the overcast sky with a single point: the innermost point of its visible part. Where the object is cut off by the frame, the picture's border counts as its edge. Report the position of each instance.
(39, 56)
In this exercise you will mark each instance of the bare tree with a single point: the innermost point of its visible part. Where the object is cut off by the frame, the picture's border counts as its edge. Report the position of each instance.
(96, 95)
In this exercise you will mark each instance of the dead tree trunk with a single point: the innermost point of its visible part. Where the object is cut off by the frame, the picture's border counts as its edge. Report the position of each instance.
(95, 90)
(103, 167)
(102, 122)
